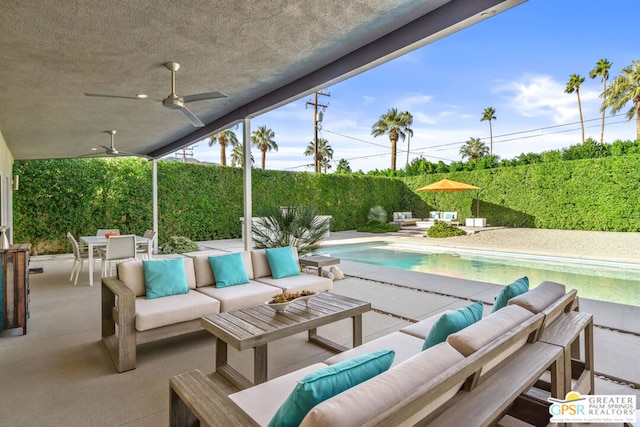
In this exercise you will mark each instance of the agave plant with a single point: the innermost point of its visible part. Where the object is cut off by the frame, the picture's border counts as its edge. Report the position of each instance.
(296, 226)
(378, 214)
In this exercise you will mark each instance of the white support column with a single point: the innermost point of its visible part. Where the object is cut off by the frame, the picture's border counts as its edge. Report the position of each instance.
(155, 202)
(248, 210)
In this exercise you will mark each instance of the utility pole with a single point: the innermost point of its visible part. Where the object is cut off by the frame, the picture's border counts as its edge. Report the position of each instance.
(317, 118)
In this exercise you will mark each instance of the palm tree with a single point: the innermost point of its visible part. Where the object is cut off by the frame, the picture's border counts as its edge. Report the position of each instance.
(237, 156)
(601, 69)
(489, 114)
(223, 138)
(574, 86)
(325, 153)
(263, 139)
(393, 124)
(625, 88)
(474, 149)
(408, 119)
(343, 166)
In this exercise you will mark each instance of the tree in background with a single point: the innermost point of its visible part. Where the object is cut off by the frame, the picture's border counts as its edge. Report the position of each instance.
(237, 157)
(395, 125)
(343, 166)
(408, 119)
(325, 152)
(601, 69)
(625, 88)
(489, 114)
(223, 139)
(573, 85)
(474, 149)
(263, 139)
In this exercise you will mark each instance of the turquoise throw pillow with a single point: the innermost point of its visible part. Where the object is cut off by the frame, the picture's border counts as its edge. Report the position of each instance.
(282, 262)
(450, 323)
(518, 287)
(325, 383)
(164, 277)
(229, 270)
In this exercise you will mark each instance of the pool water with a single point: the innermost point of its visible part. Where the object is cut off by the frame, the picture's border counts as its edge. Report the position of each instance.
(605, 281)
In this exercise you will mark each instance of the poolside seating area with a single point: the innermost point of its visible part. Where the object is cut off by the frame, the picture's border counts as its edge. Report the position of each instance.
(63, 366)
(422, 384)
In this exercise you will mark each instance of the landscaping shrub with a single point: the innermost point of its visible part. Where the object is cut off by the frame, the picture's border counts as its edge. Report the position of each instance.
(292, 226)
(377, 227)
(442, 229)
(179, 245)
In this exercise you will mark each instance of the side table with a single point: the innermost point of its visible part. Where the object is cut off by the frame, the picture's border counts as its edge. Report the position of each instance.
(319, 261)
(565, 332)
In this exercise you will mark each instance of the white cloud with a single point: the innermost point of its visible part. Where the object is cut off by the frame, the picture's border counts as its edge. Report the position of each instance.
(542, 96)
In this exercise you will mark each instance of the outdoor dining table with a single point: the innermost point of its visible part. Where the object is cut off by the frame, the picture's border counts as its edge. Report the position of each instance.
(101, 242)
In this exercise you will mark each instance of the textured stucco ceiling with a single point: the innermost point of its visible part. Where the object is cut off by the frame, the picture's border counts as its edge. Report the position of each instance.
(260, 53)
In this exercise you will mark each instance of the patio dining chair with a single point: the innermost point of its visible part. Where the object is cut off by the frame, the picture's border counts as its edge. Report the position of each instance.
(119, 249)
(79, 256)
(103, 231)
(142, 251)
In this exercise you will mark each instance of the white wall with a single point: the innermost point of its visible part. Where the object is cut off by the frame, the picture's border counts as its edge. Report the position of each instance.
(6, 190)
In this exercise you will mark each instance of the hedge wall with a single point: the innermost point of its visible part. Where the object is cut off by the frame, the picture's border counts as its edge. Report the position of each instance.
(595, 194)
(201, 202)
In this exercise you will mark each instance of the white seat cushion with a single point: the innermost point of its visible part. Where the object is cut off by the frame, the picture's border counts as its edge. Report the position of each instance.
(423, 327)
(476, 336)
(262, 401)
(204, 273)
(241, 296)
(539, 298)
(404, 345)
(157, 312)
(132, 274)
(354, 406)
(299, 283)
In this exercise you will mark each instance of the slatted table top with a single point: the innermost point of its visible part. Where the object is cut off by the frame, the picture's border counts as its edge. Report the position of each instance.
(258, 325)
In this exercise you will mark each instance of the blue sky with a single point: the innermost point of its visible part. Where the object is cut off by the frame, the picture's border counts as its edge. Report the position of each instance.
(517, 62)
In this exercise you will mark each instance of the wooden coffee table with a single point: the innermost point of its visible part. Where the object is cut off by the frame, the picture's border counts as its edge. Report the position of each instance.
(255, 327)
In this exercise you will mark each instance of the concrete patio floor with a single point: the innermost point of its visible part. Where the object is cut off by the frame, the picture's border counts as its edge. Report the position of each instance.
(59, 374)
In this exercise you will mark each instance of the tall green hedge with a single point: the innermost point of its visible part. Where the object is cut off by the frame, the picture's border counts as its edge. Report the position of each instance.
(201, 202)
(594, 194)
(204, 202)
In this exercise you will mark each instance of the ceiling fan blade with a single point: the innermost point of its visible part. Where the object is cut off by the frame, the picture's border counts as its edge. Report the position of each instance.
(101, 95)
(192, 117)
(203, 96)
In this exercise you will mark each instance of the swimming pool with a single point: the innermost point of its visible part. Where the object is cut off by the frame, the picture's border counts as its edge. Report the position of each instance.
(605, 281)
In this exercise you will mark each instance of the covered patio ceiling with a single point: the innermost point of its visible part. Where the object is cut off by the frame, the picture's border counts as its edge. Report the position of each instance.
(261, 54)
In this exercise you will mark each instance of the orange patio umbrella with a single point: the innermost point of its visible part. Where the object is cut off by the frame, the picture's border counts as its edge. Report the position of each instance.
(451, 185)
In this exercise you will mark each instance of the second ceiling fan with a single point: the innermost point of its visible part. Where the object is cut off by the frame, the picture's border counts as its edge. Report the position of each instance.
(174, 101)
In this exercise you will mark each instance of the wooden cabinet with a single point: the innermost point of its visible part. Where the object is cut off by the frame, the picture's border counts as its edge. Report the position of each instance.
(15, 287)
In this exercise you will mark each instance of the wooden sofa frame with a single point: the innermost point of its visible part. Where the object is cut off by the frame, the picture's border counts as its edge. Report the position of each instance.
(483, 400)
(118, 310)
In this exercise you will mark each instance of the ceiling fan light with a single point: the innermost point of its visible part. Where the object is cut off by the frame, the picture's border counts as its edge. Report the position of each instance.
(142, 95)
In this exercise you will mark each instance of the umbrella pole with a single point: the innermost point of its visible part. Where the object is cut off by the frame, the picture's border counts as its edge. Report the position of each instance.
(477, 204)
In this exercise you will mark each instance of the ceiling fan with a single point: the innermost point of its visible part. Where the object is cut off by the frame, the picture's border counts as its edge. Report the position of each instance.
(112, 150)
(174, 101)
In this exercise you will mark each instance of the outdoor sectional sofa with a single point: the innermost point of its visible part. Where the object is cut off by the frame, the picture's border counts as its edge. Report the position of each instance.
(140, 320)
(472, 378)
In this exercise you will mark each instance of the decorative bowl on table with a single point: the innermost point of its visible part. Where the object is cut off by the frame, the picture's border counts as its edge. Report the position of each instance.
(282, 301)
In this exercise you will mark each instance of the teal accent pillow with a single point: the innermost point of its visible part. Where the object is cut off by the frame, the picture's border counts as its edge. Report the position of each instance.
(450, 323)
(229, 270)
(449, 215)
(325, 383)
(407, 215)
(282, 262)
(164, 277)
(518, 287)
